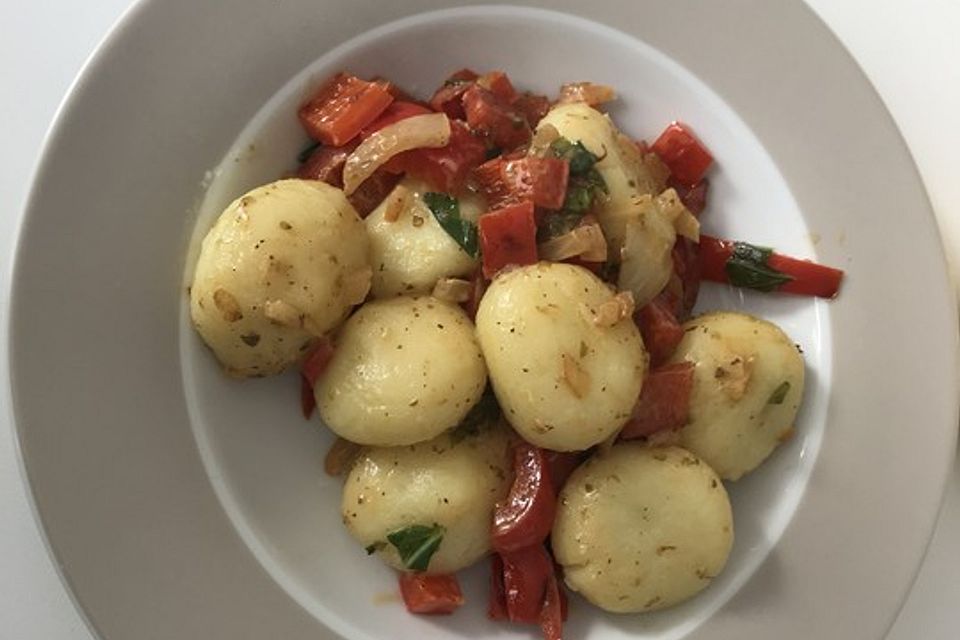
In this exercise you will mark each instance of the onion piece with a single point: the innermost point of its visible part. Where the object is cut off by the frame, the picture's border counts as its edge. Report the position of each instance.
(543, 137)
(588, 92)
(684, 222)
(586, 242)
(613, 310)
(431, 130)
(452, 290)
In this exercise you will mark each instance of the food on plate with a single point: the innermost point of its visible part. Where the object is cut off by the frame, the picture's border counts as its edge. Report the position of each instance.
(403, 370)
(283, 265)
(525, 376)
(641, 528)
(747, 387)
(428, 507)
(409, 249)
(566, 378)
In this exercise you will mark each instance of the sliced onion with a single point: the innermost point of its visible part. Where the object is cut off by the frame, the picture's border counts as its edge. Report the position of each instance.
(543, 137)
(452, 290)
(586, 242)
(430, 130)
(614, 310)
(684, 222)
(588, 92)
(645, 259)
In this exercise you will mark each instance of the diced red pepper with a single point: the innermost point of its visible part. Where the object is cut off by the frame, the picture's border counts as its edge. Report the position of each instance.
(314, 364)
(686, 265)
(680, 150)
(499, 85)
(562, 464)
(533, 107)
(342, 107)
(542, 180)
(693, 197)
(508, 236)
(372, 191)
(525, 589)
(397, 111)
(525, 517)
(326, 164)
(430, 594)
(809, 278)
(664, 401)
(660, 330)
(446, 168)
(502, 124)
(449, 97)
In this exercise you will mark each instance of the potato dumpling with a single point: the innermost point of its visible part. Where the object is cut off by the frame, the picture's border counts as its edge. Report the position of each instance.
(627, 173)
(282, 265)
(452, 481)
(747, 386)
(565, 379)
(642, 528)
(404, 370)
(409, 250)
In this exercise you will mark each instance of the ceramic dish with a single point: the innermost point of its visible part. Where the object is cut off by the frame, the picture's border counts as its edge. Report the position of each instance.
(182, 502)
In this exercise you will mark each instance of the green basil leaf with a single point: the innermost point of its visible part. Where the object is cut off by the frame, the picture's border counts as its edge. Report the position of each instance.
(747, 267)
(557, 224)
(780, 393)
(485, 412)
(580, 158)
(307, 151)
(446, 210)
(416, 544)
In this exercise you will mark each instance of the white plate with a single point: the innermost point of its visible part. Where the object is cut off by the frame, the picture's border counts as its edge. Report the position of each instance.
(181, 502)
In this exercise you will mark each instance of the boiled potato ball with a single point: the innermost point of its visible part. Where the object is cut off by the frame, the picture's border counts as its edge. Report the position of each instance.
(282, 265)
(747, 386)
(404, 370)
(642, 528)
(450, 483)
(565, 381)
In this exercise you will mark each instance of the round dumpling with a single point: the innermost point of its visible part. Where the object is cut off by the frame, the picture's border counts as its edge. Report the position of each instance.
(283, 264)
(403, 370)
(565, 378)
(410, 251)
(445, 488)
(642, 528)
(747, 386)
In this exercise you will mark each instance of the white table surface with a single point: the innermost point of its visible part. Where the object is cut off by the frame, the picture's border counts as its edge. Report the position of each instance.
(908, 48)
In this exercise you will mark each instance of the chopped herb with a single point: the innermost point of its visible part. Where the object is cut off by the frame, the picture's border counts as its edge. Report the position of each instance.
(747, 267)
(780, 393)
(585, 184)
(376, 546)
(416, 544)
(557, 224)
(307, 151)
(483, 413)
(446, 210)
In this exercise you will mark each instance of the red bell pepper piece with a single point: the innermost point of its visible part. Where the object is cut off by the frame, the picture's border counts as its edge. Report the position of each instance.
(693, 197)
(446, 168)
(504, 125)
(397, 111)
(806, 277)
(499, 85)
(542, 180)
(314, 364)
(533, 107)
(449, 97)
(476, 294)
(664, 401)
(686, 264)
(372, 191)
(526, 516)
(525, 589)
(508, 236)
(561, 465)
(687, 159)
(326, 164)
(342, 107)
(430, 594)
(660, 330)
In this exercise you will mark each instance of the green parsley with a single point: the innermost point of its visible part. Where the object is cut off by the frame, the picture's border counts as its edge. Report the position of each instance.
(585, 183)
(483, 413)
(416, 544)
(446, 210)
(780, 393)
(747, 267)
